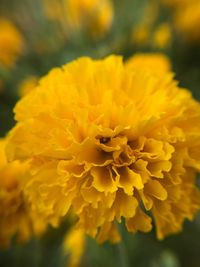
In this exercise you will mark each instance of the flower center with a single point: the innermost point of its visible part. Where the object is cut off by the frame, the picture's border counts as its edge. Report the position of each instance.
(104, 140)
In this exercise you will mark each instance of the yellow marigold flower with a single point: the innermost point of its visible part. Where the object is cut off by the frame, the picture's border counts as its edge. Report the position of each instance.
(162, 36)
(11, 43)
(187, 20)
(110, 142)
(186, 17)
(15, 216)
(27, 85)
(141, 34)
(95, 15)
(150, 61)
(74, 246)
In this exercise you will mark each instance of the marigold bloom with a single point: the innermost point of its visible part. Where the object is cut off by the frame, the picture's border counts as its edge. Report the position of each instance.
(11, 43)
(141, 33)
(95, 15)
(186, 16)
(16, 218)
(162, 36)
(156, 62)
(110, 142)
(187, 20)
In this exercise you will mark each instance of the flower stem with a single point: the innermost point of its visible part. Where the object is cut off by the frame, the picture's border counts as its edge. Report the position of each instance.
(123, 254)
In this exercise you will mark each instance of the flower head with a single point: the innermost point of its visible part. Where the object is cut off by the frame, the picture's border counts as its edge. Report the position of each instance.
(110, 142)
(11, 43)
(186, 16)
(162, 36)
(187, 20)
(95, 15)
(157, 62)
(141, 33)
(16, 218)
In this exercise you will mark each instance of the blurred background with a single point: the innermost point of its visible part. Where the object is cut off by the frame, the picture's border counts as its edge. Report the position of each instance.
(37, 35)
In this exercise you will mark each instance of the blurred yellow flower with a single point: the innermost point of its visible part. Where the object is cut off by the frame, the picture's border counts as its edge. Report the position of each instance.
(162, 36)
(110, 141)
(176, 3)
(74, 246)
(11, 43)
(16, 218)
(54, 9)
(27, 85)
(93, 16)
(187, 21)
(186, 16)
(150, 61)
(140, 35)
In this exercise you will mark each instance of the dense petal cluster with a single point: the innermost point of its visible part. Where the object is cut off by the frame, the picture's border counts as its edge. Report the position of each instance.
(16, 218)
(11, 43)
(110, 141)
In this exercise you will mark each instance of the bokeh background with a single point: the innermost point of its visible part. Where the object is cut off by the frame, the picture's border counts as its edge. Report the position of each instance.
(37, 35)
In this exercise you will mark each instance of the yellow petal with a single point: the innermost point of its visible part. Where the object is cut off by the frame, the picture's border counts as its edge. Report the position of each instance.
(129, 180)
(154, 188)
(71, 168)
(103, 180)
(140, 222)
(110, 232)
(89, 152)
(157, 168)
(124, 205)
